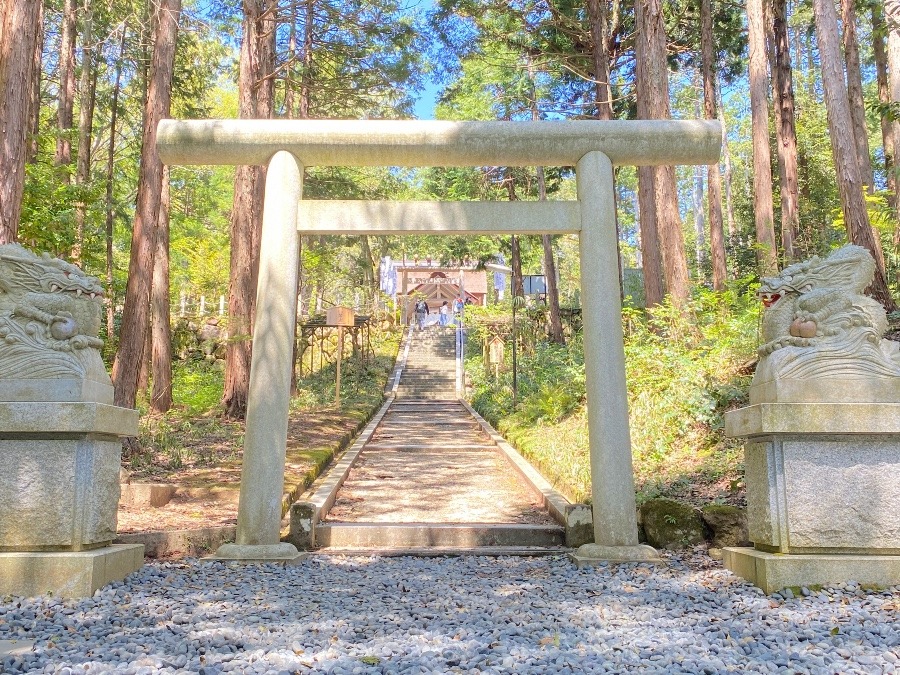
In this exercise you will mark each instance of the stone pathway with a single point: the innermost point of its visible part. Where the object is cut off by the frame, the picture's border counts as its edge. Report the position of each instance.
(430, 463)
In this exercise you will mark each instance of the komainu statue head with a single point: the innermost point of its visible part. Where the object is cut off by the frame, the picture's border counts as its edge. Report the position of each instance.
(822, 337)
(49, 324)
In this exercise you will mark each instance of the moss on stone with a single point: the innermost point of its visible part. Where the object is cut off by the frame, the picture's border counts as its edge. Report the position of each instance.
(671, 524)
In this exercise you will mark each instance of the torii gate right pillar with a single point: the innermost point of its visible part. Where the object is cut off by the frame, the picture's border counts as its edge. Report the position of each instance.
(612, 478)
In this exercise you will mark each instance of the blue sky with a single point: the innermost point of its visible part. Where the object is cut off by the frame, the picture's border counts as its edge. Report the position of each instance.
(424, 109)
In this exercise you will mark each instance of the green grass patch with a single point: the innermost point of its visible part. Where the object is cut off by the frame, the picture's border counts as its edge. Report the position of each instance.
(684, 370)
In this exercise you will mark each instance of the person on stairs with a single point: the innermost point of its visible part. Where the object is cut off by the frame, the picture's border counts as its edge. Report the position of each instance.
(421, 312)
(445, 313)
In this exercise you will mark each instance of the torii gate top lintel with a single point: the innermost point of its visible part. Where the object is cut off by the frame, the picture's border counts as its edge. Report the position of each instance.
(413, 143)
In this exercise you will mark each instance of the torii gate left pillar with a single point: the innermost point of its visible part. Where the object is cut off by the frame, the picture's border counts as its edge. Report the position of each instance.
(591, 146)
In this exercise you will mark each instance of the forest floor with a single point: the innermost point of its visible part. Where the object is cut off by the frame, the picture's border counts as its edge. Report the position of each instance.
(196, 449)
(208, 472)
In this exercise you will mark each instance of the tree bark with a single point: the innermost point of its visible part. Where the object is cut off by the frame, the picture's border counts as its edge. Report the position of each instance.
(515, 254)
(855, 93)
(161, 362)
(894, 92)
(110, 205)
(556, 330)
(66, 97)
(34, 104)
(19, 19)
(653, 103)
(785, 131)
(88, 89)
(306, 75)
(767, 255)
(246, 219)
(596, 10)
(843, 146)
(728, 175)
(713, 176)
(884, 97)
(136, 312)
(654, 285)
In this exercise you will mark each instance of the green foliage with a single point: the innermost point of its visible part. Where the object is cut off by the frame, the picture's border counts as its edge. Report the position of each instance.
(684, 369)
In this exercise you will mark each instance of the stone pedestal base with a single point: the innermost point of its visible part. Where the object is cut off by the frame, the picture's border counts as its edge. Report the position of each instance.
(67, 574)
(774, 571)
(263, 553)
(589, 555)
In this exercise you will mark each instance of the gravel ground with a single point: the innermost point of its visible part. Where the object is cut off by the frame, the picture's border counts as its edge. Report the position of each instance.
(488, 615)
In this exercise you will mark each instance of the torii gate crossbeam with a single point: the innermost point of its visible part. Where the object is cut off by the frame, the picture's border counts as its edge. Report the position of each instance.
(290, 145)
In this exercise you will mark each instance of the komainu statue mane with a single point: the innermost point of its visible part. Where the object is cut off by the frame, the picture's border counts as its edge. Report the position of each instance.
(49, 322)
(818, 326)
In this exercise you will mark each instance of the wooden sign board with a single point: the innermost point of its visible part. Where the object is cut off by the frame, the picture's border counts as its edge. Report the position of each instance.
(495, 350)
(339, 316)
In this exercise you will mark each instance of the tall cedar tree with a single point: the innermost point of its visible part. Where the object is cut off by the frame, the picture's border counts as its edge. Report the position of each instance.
(713, 176)
(88, 88)
(653, 101)
(785, 130)
(843, 145)
(855, 93)
(19, 28)
(254, 100)
(66, 97)
(161, 349)
(879, 54)
(654, 287)
(136, 311)
(767, 254)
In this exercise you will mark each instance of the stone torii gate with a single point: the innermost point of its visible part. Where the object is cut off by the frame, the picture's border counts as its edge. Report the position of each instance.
(287, 146)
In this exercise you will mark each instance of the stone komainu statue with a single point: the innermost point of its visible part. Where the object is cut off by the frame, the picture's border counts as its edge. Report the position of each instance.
(818, 325)
(50, 315)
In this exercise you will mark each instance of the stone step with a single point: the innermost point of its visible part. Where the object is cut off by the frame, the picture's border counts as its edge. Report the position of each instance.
(431, 535)
(445, 551)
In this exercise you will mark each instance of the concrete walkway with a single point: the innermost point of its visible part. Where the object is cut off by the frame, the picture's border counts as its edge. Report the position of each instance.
(430, 476)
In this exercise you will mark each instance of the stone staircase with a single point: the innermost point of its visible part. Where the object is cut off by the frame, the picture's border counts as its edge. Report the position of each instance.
(430, 371)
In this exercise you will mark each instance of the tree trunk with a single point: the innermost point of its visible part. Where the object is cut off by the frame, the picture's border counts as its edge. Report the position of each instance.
(110, 205)
(246, 215)
(728, 174)
(515, 255)
(85, 124)
(161, 395)
(136, 313)
(556, 330)
(34, 104)
(66, 98)
(767, 257)
(653, 103)
(713, 177)
(785, 130)
(884, 97)
(596, 10)
(894, 90)
(654, 286)
(16, 64)
(843, 146)
(306, 75)
(855, 93)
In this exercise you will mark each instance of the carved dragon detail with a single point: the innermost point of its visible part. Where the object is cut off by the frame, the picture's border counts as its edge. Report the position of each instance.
(817, 322)
(49, 318)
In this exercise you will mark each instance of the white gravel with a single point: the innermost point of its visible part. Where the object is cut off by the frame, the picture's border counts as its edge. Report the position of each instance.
(474, 615)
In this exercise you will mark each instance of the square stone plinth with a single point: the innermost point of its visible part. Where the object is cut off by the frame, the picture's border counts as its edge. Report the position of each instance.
(824, 494)
(67, 574)
(58, 494)
(774, 571)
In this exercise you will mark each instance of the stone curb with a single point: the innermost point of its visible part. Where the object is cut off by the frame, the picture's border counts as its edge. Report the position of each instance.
(191, 542)
(306, 514)
(400, 366)
(313, 474)
(576, 519)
